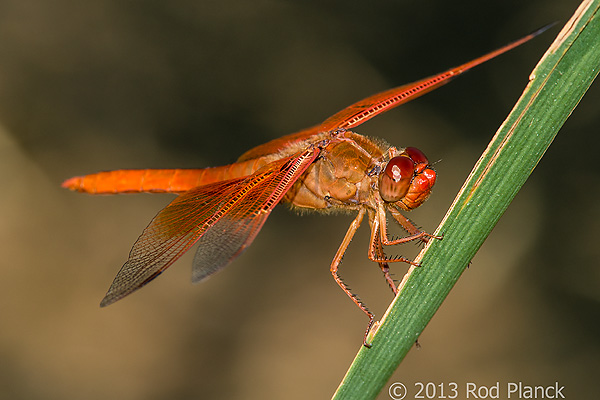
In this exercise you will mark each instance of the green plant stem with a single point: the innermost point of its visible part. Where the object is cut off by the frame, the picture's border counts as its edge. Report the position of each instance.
(557, 85)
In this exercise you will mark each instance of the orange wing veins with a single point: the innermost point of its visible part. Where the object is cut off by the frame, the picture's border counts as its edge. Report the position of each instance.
(364, 110)
(224, 217)
(368, 108)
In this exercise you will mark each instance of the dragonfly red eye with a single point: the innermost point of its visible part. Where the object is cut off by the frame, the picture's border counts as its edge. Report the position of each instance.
(416, 155)
(395, 179)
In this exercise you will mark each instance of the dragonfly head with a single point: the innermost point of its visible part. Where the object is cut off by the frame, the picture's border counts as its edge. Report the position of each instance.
(407, 179)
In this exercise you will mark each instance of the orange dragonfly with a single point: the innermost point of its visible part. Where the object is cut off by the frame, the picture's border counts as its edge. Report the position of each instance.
(323, 168)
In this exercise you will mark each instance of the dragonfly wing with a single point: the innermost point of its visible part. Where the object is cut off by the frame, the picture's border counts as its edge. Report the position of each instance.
(281, 143)
(368, 108)
(243, 217)
(172, 232)
(227, 239)
(240, 206)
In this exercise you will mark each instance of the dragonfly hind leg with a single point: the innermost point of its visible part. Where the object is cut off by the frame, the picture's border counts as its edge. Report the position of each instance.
(337, 260)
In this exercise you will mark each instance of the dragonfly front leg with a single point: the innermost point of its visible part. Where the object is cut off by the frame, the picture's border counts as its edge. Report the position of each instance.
(334, 271)
(379, 238)
(408, 225)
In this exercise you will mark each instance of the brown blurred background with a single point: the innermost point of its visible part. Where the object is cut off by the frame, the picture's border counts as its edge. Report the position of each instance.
(100, 85)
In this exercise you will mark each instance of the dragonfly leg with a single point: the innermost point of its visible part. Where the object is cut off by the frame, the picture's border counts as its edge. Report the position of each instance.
(334, 271)
(385, 268)
(379, 238)
(407, 224)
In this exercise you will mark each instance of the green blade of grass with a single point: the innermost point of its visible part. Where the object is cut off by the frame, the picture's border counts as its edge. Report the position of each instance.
(557, 85)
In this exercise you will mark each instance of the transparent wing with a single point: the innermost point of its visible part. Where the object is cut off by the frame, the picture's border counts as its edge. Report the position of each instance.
(368, 108)
(226, 216)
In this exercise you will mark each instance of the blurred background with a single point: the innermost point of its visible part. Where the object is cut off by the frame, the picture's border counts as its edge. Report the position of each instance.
(101, 85)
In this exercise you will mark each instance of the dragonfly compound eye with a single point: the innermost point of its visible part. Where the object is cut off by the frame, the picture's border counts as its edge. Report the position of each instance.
(416, 155)
(395, 179)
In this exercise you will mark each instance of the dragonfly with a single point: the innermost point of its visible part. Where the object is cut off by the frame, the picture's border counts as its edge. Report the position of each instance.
(323, 168)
